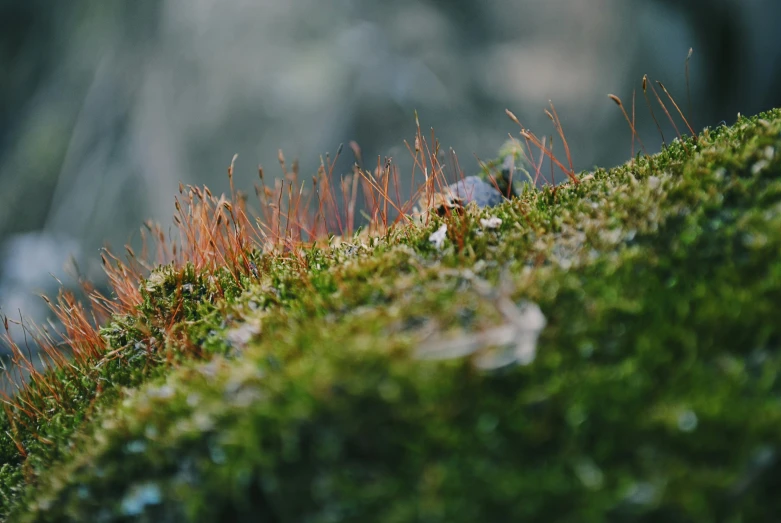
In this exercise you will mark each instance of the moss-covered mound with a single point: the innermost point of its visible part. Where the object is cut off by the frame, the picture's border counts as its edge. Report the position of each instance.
(654, 395)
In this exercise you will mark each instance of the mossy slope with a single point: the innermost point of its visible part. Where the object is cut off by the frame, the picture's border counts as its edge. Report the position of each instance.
(655, 394)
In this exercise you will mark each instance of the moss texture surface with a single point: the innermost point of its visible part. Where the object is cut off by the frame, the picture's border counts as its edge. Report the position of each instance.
(655, 393)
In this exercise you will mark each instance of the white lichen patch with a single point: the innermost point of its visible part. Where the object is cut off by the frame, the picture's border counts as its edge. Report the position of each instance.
(759, 167)
(492, 222)
(654, 182)
(438, 237)
(240, 336)
(155, 280)
(612, 236)
(514, 341)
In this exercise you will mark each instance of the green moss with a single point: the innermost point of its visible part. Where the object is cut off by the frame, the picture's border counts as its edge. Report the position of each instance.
(654, 394)
(178, 305)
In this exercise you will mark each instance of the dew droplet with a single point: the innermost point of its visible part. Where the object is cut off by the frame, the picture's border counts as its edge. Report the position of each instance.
(139, 496)
(687, 421)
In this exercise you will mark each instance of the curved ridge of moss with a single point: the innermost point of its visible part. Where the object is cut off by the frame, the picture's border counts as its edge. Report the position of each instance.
(654, 394)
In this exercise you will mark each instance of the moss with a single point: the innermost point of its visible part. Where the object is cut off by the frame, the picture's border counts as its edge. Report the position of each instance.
(176, 308)
(654, 393)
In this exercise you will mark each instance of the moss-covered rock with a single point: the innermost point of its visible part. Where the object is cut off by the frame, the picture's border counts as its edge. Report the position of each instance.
(654, 394)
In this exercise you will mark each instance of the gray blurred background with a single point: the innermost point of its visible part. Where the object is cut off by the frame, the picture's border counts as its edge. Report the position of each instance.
(106, 105)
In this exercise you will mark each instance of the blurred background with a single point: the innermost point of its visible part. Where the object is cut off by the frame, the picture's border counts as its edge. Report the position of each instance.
(105, 106)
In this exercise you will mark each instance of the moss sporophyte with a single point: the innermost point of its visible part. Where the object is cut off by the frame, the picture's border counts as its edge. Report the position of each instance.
(604, 349)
